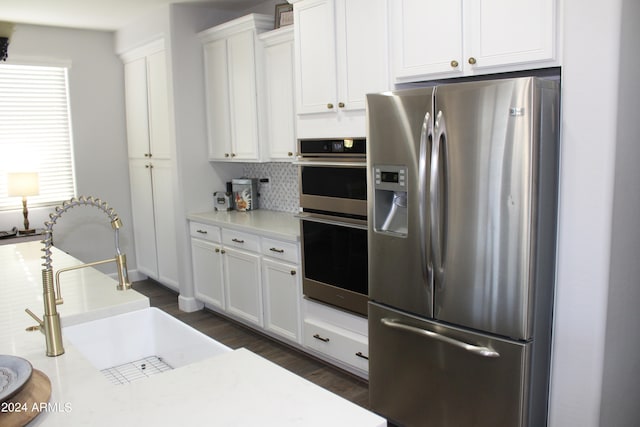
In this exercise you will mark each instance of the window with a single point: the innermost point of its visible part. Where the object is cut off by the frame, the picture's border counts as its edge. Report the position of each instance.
(35, 132)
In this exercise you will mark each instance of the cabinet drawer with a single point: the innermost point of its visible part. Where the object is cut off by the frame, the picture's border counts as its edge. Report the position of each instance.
(285, 251)
(240, 240)
(205, 231)
(346, 346)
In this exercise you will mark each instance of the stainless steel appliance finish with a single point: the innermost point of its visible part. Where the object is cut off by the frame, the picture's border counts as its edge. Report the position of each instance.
(462, 254)
(333, 203)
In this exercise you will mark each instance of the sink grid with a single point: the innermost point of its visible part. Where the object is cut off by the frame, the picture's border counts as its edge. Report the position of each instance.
(136, 370)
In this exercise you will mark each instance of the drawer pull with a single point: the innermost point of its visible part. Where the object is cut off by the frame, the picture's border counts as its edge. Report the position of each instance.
(318, 337)
(202, 231)
(280, 251)
(237, 240)
(359, 354)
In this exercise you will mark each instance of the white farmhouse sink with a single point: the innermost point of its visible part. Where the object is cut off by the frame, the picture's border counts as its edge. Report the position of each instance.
(129, 337)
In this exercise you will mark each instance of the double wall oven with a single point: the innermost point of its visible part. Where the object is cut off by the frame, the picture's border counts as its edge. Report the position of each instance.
(333, 219)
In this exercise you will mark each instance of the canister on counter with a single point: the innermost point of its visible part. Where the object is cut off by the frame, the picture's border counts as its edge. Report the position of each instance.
(245, 194)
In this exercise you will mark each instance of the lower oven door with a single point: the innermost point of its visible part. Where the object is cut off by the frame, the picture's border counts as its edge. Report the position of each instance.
(334, 254)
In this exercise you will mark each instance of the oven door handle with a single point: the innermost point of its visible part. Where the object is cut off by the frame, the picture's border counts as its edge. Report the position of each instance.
(343, 222)
(329, 163)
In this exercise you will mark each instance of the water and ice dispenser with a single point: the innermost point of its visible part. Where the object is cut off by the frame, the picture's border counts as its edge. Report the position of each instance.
(390, 200)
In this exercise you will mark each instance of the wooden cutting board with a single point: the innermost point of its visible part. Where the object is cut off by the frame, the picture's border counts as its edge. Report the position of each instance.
(25, 405)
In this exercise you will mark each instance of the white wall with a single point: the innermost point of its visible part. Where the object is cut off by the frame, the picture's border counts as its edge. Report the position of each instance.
(590, 136)
(620, 385)
(98, 126)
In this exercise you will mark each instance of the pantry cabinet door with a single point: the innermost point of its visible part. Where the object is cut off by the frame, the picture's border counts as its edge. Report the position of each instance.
(144, 231)
(159, 123)
(165, 231)
(426, 38)
(507, 32)
(137, 108)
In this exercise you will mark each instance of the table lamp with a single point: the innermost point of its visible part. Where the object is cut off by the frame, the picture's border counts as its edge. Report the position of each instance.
(23, 184)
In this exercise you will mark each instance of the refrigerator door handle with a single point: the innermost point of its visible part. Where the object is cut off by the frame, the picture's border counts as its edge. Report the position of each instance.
(438, 195)
(426, 144)
(478, 350)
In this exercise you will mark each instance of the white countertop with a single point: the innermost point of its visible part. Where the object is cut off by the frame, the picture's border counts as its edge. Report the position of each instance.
(279, 225)
(234, 389)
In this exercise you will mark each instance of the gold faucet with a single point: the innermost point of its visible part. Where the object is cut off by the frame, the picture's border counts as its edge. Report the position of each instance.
(50, 323)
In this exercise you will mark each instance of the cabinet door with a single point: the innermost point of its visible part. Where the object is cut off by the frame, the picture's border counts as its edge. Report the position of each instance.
(315, 56)
(241, 56)
(426, 38)
(243, 285)
(217, 95)
(281, 299)
(279, 85)
(208, 275)
(143, 219)
(136, 108)
(503, 32)
(361, 36)
(165, 226)
(158, 93)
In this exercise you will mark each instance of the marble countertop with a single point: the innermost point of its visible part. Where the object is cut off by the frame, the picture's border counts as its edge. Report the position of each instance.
(238, 388)
(279, 225)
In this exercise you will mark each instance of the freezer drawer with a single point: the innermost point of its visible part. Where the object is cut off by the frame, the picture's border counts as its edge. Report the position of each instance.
(449, 377)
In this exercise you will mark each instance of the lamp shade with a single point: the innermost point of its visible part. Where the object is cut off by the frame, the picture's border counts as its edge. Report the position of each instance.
(21, 184)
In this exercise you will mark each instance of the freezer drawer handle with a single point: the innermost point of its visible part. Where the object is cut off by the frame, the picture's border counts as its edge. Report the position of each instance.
(480, 351)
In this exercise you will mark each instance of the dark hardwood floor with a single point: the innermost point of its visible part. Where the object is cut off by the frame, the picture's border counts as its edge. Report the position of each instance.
(235, 335)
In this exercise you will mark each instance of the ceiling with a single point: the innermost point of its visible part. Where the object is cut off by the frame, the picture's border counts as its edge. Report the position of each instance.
(106, 15)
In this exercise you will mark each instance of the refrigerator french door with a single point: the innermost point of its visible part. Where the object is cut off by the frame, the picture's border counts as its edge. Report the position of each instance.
(463, 184)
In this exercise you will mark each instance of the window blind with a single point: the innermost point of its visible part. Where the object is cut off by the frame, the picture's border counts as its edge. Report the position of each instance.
(35, 132)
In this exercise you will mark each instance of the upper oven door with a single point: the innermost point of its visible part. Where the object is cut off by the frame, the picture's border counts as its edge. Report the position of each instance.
(339, 187)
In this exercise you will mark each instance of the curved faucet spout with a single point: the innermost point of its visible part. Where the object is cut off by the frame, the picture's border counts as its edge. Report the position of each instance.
(50, 325)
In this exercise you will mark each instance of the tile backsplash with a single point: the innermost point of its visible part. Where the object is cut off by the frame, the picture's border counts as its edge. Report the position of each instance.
(281, 192)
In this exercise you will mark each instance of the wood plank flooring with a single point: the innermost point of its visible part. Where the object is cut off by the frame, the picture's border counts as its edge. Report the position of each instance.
(235, 335)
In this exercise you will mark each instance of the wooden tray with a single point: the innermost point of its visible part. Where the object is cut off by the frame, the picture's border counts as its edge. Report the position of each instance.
(25, 405)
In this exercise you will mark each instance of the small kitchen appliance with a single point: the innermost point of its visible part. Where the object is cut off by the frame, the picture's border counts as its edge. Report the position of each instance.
(245, 194)
(222, 200)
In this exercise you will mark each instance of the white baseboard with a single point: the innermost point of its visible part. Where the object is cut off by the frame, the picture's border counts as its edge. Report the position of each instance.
(189, 304)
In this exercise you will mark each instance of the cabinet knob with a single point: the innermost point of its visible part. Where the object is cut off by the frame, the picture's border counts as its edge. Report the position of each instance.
(293, 272)
(290, 154)
(222, 251)
(341, 104)
(226, 154)
(472, 60)
(146, 166)
(454, 64)
(217, 250)
(146, 154)
(233, 154)
(330, 106)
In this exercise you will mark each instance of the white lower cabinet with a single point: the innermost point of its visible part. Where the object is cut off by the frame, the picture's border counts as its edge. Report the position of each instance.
(338, 336)
(207, 264)
(281, 298)
(251, 278)
(257, 280)
(243, 285)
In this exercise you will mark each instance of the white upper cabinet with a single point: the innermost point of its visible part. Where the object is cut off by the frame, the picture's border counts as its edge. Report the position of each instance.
(340, 55)
(233, 80)
(435, 39)
(280, 93)
(147, 104)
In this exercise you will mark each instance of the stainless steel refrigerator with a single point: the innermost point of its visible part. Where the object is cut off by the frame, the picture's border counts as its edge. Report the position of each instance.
(462, 235)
